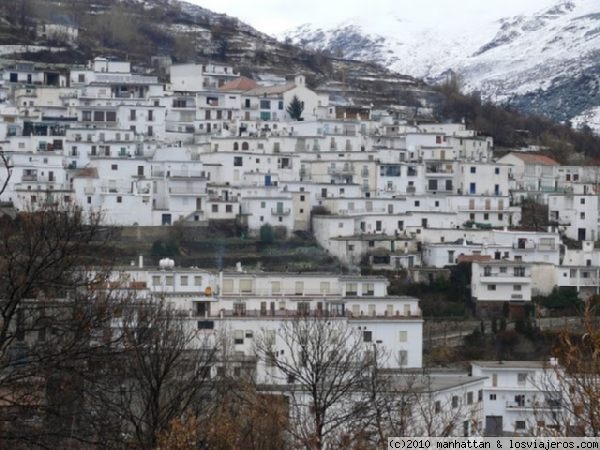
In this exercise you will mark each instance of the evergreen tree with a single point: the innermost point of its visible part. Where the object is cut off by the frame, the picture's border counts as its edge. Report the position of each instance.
(295, 108)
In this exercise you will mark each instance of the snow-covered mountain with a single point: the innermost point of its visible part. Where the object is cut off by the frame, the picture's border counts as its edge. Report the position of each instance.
(546, 61)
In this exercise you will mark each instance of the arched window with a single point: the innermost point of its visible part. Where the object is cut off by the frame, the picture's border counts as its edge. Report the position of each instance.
(236, 146)
(245, 146)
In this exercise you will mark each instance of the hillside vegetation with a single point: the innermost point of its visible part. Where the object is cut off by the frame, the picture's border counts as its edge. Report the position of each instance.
(513, 129)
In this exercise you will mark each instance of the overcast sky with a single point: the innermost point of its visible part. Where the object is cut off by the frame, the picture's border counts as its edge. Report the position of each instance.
(276, 16)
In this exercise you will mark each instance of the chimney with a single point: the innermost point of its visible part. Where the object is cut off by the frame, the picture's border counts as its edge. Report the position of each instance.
(141, 261)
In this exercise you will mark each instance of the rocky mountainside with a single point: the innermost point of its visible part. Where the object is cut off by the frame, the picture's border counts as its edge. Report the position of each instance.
(139, 30)
(371, 74)
(544, 62)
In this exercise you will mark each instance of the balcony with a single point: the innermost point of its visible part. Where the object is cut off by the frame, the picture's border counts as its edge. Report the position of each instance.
(187, 174)
(291, 313)
(529, 405)
(44, 186)
(527, 246)
(435, 170)
(280, 211)
(506, 278)
(341, 171)
(29, 177)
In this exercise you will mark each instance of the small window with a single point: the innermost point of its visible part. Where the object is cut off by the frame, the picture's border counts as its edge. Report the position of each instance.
(521, 379)
(351, 289)
(520, 425)
(491, 287)
(238, 337)
(403, 335)
(367, 336)
(169, 280)
(455, 401)
(114, 167)
(183, 280)
(197, 280)
(473, 169)
(493, 397)
(275, 287)
(119, 199)
(227, 286)
(156, 280)
(206, 325)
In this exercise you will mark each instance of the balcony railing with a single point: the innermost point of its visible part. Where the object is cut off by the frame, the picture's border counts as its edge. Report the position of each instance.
(528, 404)
(187, 174)
(346, 170)
(280, 211)
(310, 313)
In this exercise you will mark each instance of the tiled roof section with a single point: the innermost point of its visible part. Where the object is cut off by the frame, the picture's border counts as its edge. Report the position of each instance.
(473, 258)
(530, 158)
(272, 90)
(86, 172)
(241, 84)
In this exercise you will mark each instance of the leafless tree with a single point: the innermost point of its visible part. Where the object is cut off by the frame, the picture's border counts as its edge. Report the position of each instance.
(160, 372)
(324, 362)
(569, 392)
(8, 168)
(410, 403)
(50, 317)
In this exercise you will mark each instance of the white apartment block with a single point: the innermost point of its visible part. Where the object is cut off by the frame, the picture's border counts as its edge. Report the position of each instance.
(519, 397)
(240, 306)
(495, 283)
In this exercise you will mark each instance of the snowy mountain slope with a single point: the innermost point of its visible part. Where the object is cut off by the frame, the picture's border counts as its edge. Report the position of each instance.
(517, 58)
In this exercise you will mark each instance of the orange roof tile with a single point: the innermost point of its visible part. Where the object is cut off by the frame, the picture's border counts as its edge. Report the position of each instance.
(239, 84)
(530, 158)
(473, 258)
